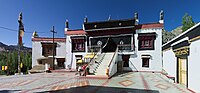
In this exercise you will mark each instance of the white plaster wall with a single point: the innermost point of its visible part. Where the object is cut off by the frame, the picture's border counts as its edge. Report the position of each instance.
(69, 57)
(170, 63)
(36, 52)
(60, 50)
(155, 63)
(193, 66)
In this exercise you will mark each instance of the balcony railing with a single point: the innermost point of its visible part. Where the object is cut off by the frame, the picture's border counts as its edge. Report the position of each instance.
(94, 48)
(126, 48)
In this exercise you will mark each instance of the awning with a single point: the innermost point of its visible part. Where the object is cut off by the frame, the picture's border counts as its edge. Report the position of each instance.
(89, 56)
(79, 61)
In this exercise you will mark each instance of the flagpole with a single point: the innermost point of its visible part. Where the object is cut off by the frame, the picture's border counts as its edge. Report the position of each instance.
(20, 31)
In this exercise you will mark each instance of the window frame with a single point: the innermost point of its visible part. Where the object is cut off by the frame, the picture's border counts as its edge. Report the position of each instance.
(143, 38)
(145, 62)
(78, 45)
(47, 49)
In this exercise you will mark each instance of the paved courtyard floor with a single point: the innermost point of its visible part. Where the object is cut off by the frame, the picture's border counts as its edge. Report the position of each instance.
(131, 82)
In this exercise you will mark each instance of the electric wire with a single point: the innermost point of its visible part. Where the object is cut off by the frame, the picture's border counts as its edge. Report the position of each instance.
(13, 30)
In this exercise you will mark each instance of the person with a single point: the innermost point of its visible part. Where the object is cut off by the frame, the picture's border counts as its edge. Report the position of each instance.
(79, 70)
(84, 66)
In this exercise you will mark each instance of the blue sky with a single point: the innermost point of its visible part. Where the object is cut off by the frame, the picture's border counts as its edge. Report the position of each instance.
(41, 15)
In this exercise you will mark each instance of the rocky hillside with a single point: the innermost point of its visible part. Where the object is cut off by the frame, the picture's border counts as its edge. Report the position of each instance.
(4, 47)
(177, 31)
(167, 36)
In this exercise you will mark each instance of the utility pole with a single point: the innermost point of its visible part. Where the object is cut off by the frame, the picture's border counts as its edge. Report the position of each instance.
(8, 67)
(53, 31)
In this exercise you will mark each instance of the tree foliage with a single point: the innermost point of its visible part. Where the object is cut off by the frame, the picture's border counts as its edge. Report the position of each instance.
(10, 59)
(187, 22)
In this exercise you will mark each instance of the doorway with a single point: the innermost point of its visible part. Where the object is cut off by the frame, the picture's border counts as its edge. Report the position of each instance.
(111, 46)
(61, 63)
(182, 71)
(125, 59)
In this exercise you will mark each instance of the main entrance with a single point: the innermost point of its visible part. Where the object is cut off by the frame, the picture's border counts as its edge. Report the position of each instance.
(182, 71)
(111, 46)
(110, 43)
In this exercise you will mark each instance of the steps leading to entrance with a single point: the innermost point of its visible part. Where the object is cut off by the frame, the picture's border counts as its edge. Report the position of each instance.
(104, 64)
(96, 63)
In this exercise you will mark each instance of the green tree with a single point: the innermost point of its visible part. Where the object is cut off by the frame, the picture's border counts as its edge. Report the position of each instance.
(187, 22)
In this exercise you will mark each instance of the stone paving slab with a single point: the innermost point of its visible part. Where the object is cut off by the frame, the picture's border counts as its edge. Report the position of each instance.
(131, 82)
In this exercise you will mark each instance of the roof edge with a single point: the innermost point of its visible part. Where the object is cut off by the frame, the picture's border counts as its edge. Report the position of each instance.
(191, 28)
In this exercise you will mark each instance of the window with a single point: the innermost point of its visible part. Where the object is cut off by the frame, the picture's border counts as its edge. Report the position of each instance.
(47, 49)
(146, 44)
(125, 58)
(146, 41)
(145, 62)
(78, 45)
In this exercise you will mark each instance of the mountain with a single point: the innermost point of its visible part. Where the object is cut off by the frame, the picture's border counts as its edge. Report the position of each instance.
(4, 48)
(167, 36)
(177, 31)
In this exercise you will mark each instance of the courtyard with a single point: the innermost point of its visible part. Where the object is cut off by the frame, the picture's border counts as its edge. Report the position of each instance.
(69, 82)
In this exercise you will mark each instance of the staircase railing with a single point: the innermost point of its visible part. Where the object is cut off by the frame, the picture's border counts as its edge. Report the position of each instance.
(112, 67)
(86, 70)
(95, 63)
(126, 48)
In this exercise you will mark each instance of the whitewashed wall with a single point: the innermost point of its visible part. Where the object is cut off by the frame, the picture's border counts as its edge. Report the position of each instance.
(193, 66)
(69, 57)
(170, 63)
(37, 51)
(60, 53)
(155, 63)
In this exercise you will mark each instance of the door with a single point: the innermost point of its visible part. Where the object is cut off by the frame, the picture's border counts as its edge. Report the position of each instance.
(182, 71)
(125, 58)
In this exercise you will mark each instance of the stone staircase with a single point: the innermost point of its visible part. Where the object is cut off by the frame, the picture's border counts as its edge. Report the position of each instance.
(99, 67)
(37, 69)
(96, 62)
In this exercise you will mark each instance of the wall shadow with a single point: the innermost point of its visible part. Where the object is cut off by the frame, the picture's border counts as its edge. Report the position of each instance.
(101, 89)
(9, 91)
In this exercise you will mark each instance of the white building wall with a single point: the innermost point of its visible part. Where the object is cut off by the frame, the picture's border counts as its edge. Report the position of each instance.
(170, 63)
(36, 52)
(193, 66)
(155, 63)
(69, 57)
(60, 53)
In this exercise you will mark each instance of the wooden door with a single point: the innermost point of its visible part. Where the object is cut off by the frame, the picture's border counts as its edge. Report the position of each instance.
(125, 58)
(182, 71)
